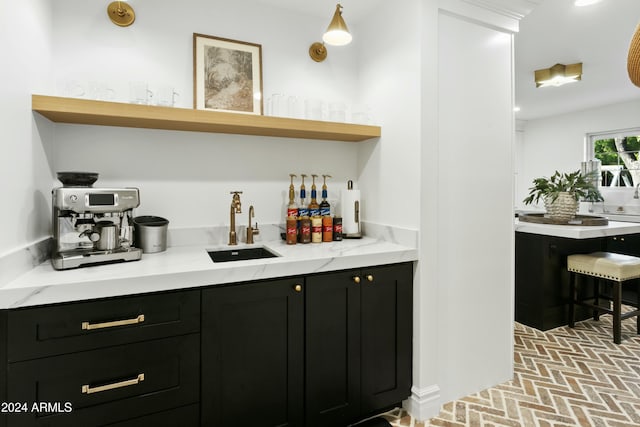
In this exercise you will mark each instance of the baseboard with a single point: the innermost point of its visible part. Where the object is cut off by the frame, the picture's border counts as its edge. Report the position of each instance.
(424, 403)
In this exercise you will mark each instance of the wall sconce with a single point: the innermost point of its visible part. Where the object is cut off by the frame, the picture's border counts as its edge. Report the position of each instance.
(121, 13)
(558, 75)
(337, 34)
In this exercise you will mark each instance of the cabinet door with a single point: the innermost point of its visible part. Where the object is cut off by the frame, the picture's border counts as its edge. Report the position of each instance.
(252, 354)
(332, 349)
(386, 335)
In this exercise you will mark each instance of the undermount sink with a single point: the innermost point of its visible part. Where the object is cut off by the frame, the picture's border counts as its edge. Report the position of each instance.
(227, 255)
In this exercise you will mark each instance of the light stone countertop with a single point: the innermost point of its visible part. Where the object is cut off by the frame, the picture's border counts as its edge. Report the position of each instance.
(186, 266)
(614, 228)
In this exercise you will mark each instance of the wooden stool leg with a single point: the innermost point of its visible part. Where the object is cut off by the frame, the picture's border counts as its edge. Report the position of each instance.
(572, 298)
(617, 312)
(596, 298)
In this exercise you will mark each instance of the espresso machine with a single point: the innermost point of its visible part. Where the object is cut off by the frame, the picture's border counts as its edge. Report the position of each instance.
(92, 226)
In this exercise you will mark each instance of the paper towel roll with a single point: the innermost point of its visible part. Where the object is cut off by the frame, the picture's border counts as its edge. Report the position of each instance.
(348, 201)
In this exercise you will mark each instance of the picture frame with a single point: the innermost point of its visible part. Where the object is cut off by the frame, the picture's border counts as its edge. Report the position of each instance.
(227, 75)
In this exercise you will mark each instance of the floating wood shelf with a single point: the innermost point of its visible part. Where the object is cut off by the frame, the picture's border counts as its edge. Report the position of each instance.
(89, 112)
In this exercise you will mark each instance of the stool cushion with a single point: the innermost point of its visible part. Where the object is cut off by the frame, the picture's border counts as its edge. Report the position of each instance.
(606, 265)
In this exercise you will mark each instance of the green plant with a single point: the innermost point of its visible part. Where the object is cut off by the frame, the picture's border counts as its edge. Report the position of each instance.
(575, 183)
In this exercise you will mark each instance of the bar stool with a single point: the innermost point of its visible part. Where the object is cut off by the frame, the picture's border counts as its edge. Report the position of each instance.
(614, 269)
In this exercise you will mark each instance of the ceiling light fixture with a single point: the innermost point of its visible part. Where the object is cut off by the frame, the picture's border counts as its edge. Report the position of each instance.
(337, 34)
(558, 75)
(585, 2)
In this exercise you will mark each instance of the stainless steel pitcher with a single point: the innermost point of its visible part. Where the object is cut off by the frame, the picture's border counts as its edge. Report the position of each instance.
(109, 233)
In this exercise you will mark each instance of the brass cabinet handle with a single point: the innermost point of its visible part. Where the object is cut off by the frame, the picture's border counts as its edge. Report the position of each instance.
(87, 389)
(298, 288)
(370, 277)
(356, 279)
(86, 326)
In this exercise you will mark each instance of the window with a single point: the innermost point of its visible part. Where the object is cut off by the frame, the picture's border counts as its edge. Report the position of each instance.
(619, 153)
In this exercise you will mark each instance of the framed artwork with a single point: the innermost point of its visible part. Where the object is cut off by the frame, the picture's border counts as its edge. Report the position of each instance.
(227, 75)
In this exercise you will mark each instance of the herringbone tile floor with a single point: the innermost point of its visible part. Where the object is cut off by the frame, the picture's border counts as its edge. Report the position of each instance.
(563, 377)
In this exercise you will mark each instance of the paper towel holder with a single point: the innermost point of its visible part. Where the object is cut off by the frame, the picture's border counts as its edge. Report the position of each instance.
(356, 217)
(358, 234)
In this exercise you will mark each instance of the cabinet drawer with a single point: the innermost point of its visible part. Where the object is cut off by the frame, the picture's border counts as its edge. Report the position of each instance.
(68, 328)
(103, 386)
(187, 416)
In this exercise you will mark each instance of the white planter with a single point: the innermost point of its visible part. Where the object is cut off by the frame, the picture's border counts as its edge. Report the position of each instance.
(563, 208)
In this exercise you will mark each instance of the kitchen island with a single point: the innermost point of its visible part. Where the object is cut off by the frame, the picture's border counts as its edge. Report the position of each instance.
(541, 277)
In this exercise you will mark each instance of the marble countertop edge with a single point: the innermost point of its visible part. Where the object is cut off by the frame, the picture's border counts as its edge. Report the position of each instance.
(190, 267)
(614, 228)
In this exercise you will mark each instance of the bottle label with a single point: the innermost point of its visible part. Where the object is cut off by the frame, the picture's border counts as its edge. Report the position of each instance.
(303, 212)
(327, 228)
(314, 212)
(305, 229)
(316, 229)
(325, 211)
(337, 228)
(292, 231)
(293, 212)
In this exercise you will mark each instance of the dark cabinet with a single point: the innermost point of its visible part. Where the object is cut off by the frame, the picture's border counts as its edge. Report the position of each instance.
(252, 354)
(358, 334)
(99, 387)
(183, 416)
(542, 279)
(628, 244)
(72, 327)
(324, 350)
(102, 362)
(332, 340)
(321, 350)
(386, 336)
(3, 365)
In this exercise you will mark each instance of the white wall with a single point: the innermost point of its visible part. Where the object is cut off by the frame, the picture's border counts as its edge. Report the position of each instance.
(24, 168)
(442, 143)
(183, 176)
(474, 204)
(391, 174)
(426, 400)
(389, 81)
(557, 143)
